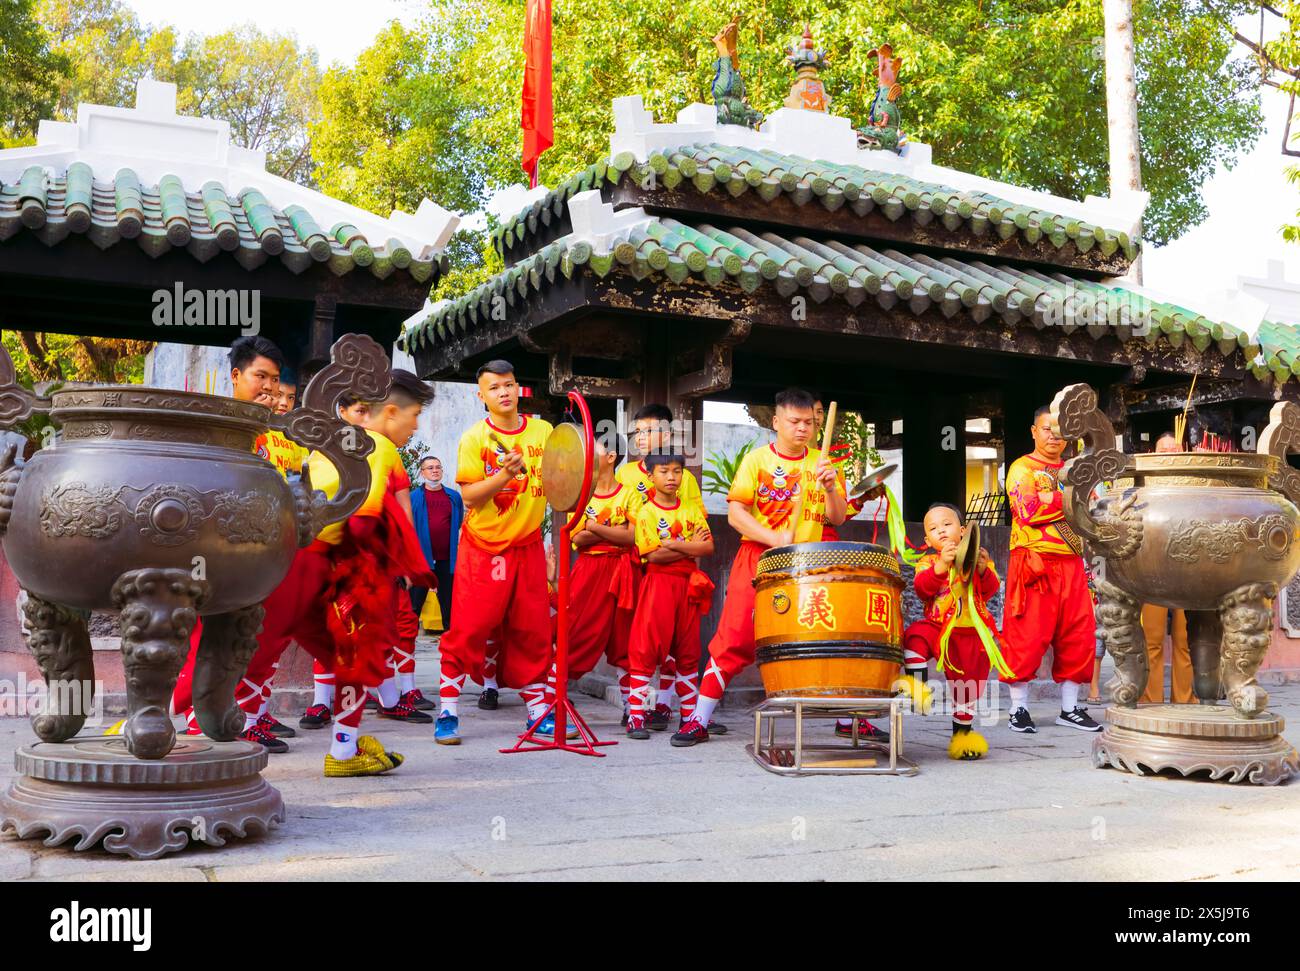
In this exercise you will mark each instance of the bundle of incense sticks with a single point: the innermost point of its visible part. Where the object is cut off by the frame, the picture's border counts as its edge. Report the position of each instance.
(1180, 421)
(1216, 443)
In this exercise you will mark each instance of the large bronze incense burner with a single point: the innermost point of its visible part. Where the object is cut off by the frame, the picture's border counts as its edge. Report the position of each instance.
(1215, 534)
(151, 502)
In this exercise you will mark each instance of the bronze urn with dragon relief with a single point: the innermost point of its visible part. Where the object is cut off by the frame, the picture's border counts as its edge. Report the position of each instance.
(151, 502)
(1215, 534)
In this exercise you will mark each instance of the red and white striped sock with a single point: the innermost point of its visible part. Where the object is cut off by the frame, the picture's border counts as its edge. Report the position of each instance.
(404, 664)
(490, 667)
(192, 723)
(712, 685)
(623, 686)
(550, 685)
(687, 695)
(322, 685)
(534, 696)
(349, 706)
(265, 707)
(638, 696)
(667, 682)
(449, 693)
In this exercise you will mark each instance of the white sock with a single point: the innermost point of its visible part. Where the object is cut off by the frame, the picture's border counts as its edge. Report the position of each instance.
(844, 723)
(249, 721)
(449, 706)
(490, 683)
(406, 682)
(323, 694)
(704, 709)
(1069, 696)
(264, 707)
(388, 693)
(344, 745)
(1019, 695)
(666, 695)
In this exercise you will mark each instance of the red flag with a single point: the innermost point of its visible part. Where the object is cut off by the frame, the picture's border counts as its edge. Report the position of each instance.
(538, 109)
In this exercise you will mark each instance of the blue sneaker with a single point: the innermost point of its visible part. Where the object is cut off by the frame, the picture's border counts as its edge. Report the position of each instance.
(447, 730)
(547, 728)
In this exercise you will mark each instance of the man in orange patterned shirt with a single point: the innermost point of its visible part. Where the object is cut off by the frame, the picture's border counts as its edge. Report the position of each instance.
(1048, 602)
(760, 506)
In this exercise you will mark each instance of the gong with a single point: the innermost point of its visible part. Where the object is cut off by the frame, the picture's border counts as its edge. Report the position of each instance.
(968, 552)
(563, 466)
(876, 478)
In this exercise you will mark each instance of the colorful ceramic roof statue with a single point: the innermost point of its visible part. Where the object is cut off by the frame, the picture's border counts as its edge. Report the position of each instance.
(808, 92)
(882, 131)
(728, 86)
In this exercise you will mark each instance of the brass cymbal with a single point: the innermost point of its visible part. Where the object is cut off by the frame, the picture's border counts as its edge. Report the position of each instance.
(968, 552)
(563, 465)
(873, 479)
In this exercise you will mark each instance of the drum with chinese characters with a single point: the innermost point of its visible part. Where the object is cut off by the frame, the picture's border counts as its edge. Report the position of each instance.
(828, 620)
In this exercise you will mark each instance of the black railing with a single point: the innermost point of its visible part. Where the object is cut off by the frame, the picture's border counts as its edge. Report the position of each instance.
(987, 509)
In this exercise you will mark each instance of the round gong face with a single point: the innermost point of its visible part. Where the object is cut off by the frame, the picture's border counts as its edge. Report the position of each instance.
(563, 465)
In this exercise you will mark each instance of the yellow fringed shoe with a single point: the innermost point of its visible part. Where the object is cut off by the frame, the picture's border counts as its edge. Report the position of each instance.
(967, 745)
(363, 763)
(372, 746)
(920, 693)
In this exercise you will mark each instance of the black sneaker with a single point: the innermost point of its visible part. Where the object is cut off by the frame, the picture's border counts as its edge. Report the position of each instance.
(416, 699)
(658, 720)
(488, 699)
(1021, 722)
(1079, 718)
(372, 703)
(265, 739)
(272, 726)
(717, 728)
(691, 733)
(316, 716)
(624, 721)
(636, 729)
(403, 712)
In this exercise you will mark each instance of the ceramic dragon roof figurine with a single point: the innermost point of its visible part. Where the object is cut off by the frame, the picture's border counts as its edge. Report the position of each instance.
(882, 130)
(728, 86)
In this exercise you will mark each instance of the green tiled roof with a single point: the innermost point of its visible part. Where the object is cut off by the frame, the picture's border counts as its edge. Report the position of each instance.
(858, 272)
(712, 168)
(205, 222)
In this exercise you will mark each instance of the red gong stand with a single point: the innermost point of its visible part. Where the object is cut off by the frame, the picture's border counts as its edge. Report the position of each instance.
(562, 707)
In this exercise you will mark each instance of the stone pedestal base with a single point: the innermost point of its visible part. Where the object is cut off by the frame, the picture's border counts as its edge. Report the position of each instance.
(1197, 738)
(96, 791)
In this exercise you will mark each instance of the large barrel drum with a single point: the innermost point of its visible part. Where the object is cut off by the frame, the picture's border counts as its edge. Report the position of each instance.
(828, 620)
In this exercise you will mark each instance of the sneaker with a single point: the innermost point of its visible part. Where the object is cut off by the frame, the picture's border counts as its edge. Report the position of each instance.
(372, 746)
(403, 712)
(316, 716)
(1021, 722)
(372, 703)
(416, 699)
(273, 726)
(447, 730)
(636, 728)
(547, 728)
(266, 739)
(363, 763)
(1079, 718)
(659, 719)
(717, 728)
(488, 698)
(867, 732)
(689, 734)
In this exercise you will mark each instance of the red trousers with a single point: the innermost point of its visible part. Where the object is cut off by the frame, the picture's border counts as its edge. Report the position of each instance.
(506, 590)
(666, 624)
(1048, 605)
(602, 593)
(968, 662)
(732, 647)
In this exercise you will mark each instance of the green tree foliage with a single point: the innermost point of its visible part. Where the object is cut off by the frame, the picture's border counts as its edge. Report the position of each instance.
(1013, 91)
(264, 85)
(30, 71)
(1282, 57)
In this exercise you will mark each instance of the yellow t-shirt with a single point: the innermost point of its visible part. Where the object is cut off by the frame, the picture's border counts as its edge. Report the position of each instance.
(769, 483)
(386, 473)
(287, 456)
(1036, 525)
(635, 476)
(609, 510)
(656, 523)
(517, 511)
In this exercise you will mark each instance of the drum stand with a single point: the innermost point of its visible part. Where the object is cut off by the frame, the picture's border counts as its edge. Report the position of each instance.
(851, 757)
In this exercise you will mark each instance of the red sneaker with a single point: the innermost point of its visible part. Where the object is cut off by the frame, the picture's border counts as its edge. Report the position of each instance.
(272, 726)
(691, 732)
(416, 699)
(658, 719)
(271, 743)
(867, 732)
(316, 716)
